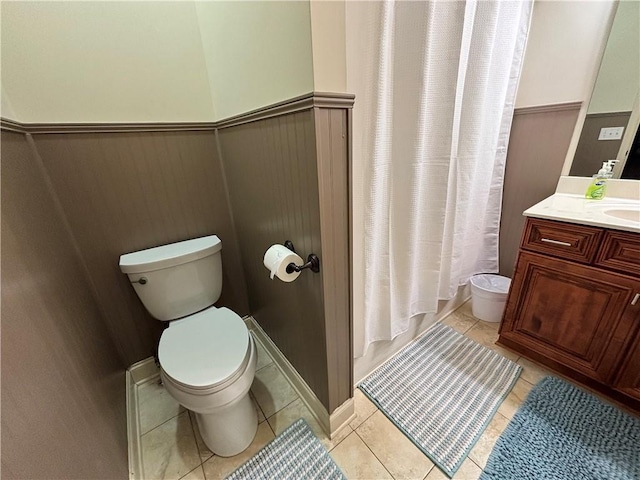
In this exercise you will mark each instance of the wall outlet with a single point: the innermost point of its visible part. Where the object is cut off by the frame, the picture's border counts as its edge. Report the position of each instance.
(611, 133)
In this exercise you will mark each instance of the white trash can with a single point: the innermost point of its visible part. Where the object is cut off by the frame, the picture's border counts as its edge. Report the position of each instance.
(489, 296)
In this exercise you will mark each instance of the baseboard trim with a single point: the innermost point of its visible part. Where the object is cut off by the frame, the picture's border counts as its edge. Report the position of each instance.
(138, 373)
(143, 370)
(133, 429)
(330, 423)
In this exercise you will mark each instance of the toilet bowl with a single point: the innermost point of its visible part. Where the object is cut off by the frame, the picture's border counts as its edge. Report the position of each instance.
(207, 355)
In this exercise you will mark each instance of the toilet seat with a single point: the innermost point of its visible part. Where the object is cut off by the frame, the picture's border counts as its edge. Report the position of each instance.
(205, 350)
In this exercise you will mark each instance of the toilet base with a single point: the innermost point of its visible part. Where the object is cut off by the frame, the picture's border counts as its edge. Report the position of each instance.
(230, 430)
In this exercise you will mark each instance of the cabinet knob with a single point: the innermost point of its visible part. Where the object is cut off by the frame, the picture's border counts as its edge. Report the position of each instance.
(635, 299)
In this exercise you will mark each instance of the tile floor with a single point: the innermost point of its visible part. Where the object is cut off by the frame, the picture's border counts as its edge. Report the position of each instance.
(370, 447)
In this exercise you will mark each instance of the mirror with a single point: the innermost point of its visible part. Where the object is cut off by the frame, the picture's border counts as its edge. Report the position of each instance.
(610, 129)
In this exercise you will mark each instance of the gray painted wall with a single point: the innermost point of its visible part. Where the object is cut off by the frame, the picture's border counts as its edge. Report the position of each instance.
(63, 386)
(537, 148)
(123, 192)
(288, 180)
(271, 172)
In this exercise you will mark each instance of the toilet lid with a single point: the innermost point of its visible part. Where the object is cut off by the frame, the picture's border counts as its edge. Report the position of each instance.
(204, 349)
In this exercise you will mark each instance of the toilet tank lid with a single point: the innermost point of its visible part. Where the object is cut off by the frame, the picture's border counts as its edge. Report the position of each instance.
(170, 255)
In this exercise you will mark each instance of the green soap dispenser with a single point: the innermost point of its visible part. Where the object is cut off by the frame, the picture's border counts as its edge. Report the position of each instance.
(598, 186)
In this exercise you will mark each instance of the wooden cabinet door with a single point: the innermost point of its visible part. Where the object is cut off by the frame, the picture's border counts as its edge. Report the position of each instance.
(572, 314)
(628, 381)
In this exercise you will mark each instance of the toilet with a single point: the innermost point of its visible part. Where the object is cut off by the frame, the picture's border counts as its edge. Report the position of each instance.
(207, 356)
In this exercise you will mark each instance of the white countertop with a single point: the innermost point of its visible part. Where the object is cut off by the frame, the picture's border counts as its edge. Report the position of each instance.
(566, 205)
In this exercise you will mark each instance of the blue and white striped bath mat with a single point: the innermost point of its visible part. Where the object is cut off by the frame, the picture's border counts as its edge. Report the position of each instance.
(295, 454)
(442, 391)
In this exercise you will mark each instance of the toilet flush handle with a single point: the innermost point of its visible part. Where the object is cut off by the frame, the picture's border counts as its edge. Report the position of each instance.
(141, 281)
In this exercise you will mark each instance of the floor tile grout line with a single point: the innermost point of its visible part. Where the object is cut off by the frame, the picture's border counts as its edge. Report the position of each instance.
(429, 471)
(267, 418)
(265, 366)
(373, 453)
(272, 430)
(476, 463)
(167, 420)
(365, 442)
(191, 471)
(342, 440)
(367, 417)
(255, 400)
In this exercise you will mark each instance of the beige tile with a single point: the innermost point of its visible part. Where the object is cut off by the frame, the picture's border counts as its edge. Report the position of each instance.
(532, 372)
(155, 405)
(459, 321)
(292, 412)
(394, 450)
(271, 390)
(364, 408)
(482, 449)
(169, 451)
(515, 398)
(263, 357)
(490, 325)
(467, 471)
(466, 309)
(487, 336)
(219, 467)
(195, 474)
(357, 461)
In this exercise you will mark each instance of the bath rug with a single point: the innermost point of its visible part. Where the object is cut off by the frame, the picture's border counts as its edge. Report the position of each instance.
(565, 433)
(295, 454)
(441, 392)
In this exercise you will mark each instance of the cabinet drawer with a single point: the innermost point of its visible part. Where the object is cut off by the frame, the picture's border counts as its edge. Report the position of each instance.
(563, 240)
(620, 251)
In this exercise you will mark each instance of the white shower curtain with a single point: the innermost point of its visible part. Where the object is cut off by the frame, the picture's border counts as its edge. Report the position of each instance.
(435, 85)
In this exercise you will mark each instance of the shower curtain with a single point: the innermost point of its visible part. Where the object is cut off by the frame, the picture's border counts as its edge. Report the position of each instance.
(435, 86)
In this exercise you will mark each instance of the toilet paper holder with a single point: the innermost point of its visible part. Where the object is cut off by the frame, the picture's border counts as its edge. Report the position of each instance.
(313, 262)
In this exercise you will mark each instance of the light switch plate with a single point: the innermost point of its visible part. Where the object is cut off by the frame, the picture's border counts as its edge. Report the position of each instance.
(611, 133)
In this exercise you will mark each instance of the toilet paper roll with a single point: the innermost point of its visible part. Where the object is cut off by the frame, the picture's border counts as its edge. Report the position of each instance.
(276, 259)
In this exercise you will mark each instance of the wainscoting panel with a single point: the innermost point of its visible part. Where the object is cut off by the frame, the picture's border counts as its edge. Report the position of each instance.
(591, 152)
(333, 178)
(123, 192)
(538, 145)
(63, 397)
(272, 176)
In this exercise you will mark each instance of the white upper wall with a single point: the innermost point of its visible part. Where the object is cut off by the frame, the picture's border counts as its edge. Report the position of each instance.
(104, 62)
(328, 40)
(256, 53)
(619, 77)
(151, 61)
(564, 49)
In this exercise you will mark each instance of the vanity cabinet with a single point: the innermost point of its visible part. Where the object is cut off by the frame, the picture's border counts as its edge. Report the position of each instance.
(628, 380)
(574, 305)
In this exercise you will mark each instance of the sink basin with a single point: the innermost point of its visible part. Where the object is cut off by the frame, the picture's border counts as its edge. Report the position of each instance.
(630, 214)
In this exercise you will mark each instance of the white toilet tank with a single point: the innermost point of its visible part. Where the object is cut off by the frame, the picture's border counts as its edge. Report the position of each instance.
(178, 279)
